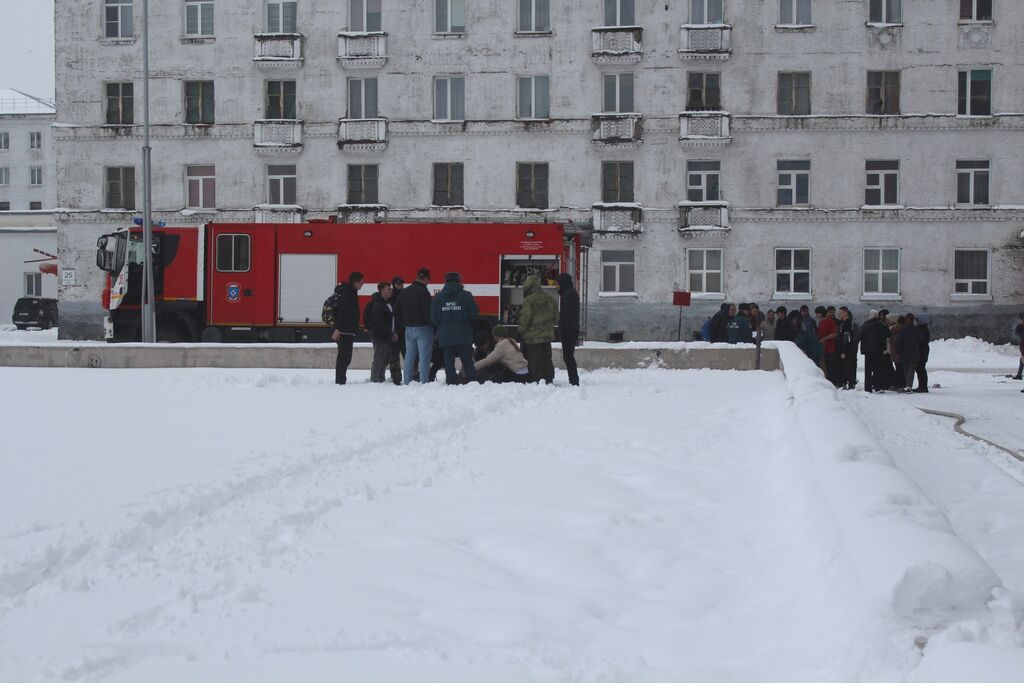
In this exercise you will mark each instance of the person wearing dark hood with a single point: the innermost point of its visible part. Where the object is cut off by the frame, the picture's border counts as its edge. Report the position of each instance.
(380, 321)
(737, 330)
(806, 337)
(346, 323)
(907, 347)
(397, 285)
(452, 312)
(874, 339)
(784, 330)
(1018, 338)
(537, 320)
(412, 310)
(719, 321)
(925, 338)
(849, 337)
(569, 325)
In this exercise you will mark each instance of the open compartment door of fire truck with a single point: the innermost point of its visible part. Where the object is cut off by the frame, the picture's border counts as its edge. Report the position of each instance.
(515, 269)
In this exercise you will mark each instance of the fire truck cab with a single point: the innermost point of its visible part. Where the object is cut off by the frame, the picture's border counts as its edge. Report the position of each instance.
(268, 282)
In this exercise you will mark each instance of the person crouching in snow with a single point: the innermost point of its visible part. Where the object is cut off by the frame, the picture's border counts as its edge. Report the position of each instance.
(505, 363)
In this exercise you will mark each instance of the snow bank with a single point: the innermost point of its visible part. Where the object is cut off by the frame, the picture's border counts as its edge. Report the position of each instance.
(974, 353)
(911, 564)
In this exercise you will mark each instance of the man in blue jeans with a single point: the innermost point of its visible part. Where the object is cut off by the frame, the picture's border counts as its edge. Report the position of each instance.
(412, 310)
(453, 311)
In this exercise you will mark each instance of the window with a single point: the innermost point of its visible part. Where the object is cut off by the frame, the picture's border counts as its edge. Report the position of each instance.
(35, 140)
(33, 284)
(282, 16)
(619, 13)
(449, 16)
(975, 92)
(886, 12)
(5, 140)
(794, 94)
(883, 183)
(5, 175)
(120, 187)
(882, 271)
(618, 272)
(281, 100)
(972, 182)
(364, 15)
(448, 185)
(794, 182)
(120, 104)
(201, 187)
(5, 206)
(704, 267)
(36, 175)
(883, 92)
(616, 181)
(233, 253)
(618, 93)
(706, 12)
(976, 10)
(534, 16)
(281, 184)
(795, 12)
(532, 186)
(450, 98)
(792, 271)
(35, 206)
(704, 92)
(534, 99)
(702, 181)
(362, 183)
(362, 98)
(199, 102)
(117, 19)
(198, 17)
(970, 271)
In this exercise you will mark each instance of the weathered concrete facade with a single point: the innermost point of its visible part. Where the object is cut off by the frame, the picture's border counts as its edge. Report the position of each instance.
(26, 152)
(928, 49)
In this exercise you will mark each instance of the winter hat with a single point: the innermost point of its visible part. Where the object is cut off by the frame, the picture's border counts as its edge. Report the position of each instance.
(873, 313)
(453, 276)
(499, 331)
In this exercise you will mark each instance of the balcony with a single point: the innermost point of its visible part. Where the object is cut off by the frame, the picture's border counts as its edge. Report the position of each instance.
(701, 41)
(362, 134)
(278, 50)
(358, 50)
(361, 213)
(704, 128)
(278, 134)
(622, 220)
(694, 216)
(617, 129)
(617, 44)
(278, 213)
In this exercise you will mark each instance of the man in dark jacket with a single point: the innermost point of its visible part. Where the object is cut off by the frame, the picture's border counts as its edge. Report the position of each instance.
(924, 333)
(806, 337)
(849, 338)
(783, 325)
(874, 338)
(737, 330)
(569, 325)
(346, 323)
(907, 346)
(380, 321)
(412, 310)
(720, 320)
(452, 312)
(397, 285)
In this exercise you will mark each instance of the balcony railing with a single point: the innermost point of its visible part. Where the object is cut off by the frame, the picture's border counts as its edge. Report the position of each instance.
(703, 215)
(617, 44)
(275, 50)
(617, 129)
(699, 41)
(357, 50)
(704, 128)
(278, 134)
(279, 213)
(362, 134)
(618, 218)
(362, 213)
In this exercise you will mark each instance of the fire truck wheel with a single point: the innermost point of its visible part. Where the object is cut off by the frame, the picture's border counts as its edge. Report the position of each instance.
(172, 335)
(212, 335)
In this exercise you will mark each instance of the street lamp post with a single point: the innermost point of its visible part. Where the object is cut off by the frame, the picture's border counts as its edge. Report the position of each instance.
(149, 290)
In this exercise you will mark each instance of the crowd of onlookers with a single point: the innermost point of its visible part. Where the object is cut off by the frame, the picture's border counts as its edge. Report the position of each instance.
(895, 347)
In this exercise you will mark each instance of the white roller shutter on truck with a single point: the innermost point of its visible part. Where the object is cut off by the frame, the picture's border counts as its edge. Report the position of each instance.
(304, 281)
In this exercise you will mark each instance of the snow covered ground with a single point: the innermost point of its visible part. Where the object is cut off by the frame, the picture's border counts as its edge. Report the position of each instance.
(653, 526)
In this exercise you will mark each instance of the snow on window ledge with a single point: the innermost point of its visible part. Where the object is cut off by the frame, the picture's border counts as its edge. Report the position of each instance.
(970, 297)
(707, 296)
(795, 28)
(792, 296)
(876, 296)
(618, 295)
(883, 24)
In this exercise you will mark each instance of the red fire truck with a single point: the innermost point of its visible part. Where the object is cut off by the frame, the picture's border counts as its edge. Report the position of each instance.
(268, 282)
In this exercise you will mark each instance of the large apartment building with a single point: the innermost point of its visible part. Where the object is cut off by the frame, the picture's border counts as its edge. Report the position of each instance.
(27, 161)
(868, 153)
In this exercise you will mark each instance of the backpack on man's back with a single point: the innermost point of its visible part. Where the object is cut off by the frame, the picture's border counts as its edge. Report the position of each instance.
(327, 313)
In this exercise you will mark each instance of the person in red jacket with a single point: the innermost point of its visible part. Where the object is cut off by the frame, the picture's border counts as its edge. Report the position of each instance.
(828, 332)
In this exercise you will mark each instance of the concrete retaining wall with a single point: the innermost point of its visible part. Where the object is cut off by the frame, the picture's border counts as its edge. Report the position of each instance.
(676, 357)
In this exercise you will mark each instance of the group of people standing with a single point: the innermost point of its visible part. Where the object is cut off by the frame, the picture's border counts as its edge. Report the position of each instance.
(895, 348)
(435, 331)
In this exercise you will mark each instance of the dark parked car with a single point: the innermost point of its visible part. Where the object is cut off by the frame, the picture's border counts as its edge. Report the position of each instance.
(34, 311)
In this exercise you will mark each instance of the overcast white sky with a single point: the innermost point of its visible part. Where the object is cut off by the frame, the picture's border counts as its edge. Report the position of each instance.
(26, 46)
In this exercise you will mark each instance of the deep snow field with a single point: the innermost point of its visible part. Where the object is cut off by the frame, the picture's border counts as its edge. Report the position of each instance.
(652, 526)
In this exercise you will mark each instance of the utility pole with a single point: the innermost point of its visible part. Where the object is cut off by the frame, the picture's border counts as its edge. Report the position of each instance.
(149, 290)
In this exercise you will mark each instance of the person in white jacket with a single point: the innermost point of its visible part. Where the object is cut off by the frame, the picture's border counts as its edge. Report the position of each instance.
(505, 363)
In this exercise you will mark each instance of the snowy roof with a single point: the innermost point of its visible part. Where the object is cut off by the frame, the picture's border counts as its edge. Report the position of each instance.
(17, 102)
